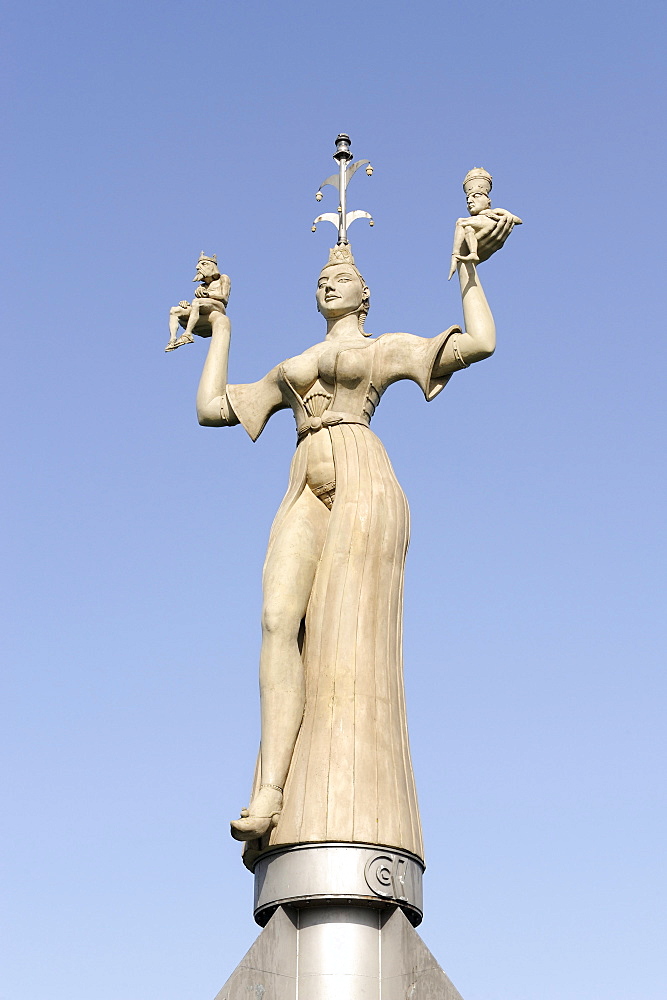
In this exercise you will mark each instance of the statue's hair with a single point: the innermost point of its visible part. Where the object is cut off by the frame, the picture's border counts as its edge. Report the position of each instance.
(365, 306)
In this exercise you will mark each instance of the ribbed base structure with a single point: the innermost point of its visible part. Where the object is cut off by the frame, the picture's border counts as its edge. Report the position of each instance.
(338, 952)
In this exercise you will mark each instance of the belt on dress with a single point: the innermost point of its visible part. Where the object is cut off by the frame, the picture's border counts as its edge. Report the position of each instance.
(328, 419)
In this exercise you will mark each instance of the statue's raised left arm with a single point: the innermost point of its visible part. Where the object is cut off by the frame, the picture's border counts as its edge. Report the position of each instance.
(478, 341)
(212, 404)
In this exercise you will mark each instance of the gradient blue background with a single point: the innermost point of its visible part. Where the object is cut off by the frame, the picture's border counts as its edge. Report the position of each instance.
(535, 626)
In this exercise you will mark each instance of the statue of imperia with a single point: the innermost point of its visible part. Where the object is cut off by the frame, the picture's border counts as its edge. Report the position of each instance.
(334, 763)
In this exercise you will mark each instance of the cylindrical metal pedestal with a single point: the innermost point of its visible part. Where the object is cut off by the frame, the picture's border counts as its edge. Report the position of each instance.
(339, 954)
(338, 924)
(314, 874)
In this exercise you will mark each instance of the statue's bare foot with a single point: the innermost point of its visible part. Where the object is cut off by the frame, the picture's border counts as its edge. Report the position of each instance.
(260, 816)
(187, 338)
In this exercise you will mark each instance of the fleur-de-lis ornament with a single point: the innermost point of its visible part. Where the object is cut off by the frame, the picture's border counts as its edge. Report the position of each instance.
(342, 219)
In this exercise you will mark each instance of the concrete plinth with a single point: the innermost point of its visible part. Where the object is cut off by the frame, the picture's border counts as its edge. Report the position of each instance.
(338, 952)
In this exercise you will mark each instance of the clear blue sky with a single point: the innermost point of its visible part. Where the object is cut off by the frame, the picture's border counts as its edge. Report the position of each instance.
(141, 133)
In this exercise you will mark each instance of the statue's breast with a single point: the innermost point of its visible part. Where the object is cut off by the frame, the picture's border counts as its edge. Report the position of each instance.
(352, 367)
(329, 364)
(302, 371)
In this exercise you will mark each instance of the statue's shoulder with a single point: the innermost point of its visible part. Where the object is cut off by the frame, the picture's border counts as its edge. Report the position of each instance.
(394, 355)
(386, 340)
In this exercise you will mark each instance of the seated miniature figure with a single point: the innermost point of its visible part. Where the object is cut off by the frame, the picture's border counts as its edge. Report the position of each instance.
(207, 307)
(482, 219)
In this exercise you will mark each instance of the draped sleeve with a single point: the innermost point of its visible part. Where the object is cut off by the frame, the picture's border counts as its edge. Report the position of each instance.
(404, 355)
(255, 402)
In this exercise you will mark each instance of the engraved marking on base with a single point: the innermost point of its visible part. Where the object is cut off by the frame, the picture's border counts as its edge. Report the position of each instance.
(385, 875)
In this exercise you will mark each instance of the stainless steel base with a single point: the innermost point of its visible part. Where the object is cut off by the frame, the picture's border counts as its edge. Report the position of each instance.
(338, 952)
(314, 874)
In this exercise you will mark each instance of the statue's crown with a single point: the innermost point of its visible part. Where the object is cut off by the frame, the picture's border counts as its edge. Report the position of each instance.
(340, 254)
(477, 179)
(203, 257)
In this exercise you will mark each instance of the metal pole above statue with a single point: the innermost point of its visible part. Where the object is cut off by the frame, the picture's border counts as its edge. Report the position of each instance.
(332, 830)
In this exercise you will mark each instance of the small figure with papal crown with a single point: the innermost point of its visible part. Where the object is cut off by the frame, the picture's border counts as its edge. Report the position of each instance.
(207, 307)
(482, 219)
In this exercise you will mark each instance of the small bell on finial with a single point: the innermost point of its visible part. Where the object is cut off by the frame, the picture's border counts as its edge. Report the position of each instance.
(371, 223)
(313, 229)
(369, 170)
(319, 196)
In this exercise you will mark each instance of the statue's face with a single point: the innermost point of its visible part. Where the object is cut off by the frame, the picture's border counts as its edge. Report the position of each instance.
(477, 202)
(205, 270)
(339, 291)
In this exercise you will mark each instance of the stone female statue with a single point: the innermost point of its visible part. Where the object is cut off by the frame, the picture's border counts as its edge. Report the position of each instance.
(334, 763)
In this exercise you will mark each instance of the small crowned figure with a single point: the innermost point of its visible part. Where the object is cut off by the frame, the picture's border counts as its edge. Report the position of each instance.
(206, 309)
(482, 219)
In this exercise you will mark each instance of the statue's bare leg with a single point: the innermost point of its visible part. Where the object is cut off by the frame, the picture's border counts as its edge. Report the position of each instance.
(459, 240)
(175, 313)
(192, 322)
(193, 317)
(471, 240)
(289, 573)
